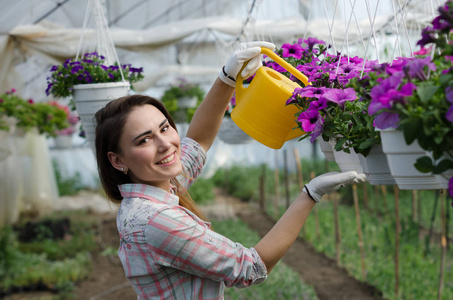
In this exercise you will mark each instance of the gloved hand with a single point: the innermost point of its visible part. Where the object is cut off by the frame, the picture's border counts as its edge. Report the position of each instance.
(246, 51)
(329, 182)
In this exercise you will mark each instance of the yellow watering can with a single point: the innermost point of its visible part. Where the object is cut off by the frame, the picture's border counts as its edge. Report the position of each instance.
(261, 109)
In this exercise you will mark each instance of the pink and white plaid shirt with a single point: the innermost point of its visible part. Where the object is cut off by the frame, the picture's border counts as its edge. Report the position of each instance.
(169, 253)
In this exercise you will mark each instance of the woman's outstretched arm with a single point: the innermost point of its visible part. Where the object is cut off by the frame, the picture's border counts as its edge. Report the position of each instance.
(279, 239)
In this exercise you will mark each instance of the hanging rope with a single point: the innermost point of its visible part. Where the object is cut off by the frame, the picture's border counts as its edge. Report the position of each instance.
(104, 41)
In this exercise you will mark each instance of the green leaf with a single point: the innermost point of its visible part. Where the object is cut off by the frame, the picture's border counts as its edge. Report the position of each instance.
(411, 129)
(340, 143)
(426, 92)
(443, 166)
(424, 164)
(366, 144)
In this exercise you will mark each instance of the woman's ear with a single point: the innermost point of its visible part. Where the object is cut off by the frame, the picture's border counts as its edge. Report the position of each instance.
(116, 161)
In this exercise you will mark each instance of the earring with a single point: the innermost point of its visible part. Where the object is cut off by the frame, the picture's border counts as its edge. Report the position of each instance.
(124, 170)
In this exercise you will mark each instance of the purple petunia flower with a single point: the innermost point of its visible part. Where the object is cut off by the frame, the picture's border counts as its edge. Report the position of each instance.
(295, 50)
(276, 67)
(308, 119)
(416, 67)
(317, 130)
(318, 105)
(310, 42)
(293, 98)
(340, 96)
(312, 92)
(386, 120)
(428, 37)
(76, 69)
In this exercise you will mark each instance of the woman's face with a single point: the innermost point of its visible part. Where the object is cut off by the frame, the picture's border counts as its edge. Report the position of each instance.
(150, 148)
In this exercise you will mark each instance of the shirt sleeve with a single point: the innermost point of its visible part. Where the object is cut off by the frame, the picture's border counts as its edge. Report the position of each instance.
(193, 158)
(180, 240)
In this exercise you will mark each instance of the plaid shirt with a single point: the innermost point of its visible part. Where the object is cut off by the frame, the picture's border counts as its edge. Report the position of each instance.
(169, 253)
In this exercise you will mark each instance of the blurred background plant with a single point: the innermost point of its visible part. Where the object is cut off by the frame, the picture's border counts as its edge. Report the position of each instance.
(47, 118)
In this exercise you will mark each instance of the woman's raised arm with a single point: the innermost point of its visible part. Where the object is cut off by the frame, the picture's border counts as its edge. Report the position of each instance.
(207, 119)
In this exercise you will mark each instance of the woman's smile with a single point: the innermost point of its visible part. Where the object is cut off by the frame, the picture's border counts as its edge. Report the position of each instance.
(168, 160)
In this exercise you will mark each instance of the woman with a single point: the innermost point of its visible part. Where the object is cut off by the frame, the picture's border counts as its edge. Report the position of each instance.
(167, 249)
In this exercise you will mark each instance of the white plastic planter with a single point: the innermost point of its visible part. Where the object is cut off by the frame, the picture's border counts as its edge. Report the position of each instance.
(89, 98)
(401, 159)
(63, 142)
(375, 167)
(346, 161)
(326, 148)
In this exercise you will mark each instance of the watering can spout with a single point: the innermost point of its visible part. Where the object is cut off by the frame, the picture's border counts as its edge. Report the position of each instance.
(261, 109)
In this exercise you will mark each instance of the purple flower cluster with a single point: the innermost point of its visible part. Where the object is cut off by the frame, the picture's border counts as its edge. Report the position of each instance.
(89, 69)
(328, 75)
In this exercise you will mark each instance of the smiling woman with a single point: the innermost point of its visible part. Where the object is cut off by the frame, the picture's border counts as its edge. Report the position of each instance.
(167, 247)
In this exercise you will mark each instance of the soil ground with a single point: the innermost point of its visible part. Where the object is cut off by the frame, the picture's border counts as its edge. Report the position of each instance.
(107, 280)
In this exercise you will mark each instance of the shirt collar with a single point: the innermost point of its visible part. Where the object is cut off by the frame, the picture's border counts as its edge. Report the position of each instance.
(133, 190)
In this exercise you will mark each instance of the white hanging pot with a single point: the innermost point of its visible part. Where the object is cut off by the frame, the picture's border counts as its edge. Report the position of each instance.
(230, 133)
(326, 148)
(187, 102)
(401, 159)
(89, 98)
(346, 161)
(63, 141)
(376, 167)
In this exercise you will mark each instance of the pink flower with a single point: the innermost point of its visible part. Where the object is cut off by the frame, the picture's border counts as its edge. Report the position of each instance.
(308, 119)
(423, 51)
(295, 50)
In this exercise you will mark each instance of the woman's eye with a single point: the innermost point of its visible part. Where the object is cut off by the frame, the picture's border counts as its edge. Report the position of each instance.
(165, 128)
(144, 140)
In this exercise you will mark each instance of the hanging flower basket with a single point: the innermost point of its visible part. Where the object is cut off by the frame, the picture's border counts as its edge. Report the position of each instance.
(375, 167)
(230, 133)
(401, 159)
(89, 98)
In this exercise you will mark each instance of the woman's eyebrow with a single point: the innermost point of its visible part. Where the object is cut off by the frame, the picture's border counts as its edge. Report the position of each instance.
(149, 131)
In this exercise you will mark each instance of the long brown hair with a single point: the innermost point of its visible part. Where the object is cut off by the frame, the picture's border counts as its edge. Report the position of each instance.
(110, 122)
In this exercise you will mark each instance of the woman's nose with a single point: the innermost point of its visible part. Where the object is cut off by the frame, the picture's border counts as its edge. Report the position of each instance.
(163, 143)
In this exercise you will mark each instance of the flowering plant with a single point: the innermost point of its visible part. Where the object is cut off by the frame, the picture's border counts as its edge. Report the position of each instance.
(89, 69)
(182, 88)
(330, 106)
(415, 95)
(45, 117)
(71, 117)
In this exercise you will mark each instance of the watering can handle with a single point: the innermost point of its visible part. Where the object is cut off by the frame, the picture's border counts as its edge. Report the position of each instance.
(285, 65)
(281, 62)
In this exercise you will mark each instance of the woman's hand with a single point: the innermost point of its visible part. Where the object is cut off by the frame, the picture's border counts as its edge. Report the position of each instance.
(245, 51)
(329, 182)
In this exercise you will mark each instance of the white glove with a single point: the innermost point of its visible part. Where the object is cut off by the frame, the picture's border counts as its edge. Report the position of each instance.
(246, 51)
(329, 182)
